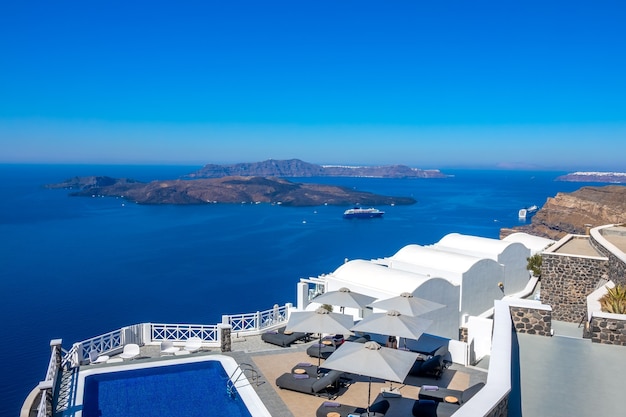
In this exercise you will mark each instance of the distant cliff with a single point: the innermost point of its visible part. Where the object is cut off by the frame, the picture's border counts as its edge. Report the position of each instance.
(296, 168)
(225, 190)
(570, 212)
(612, 177)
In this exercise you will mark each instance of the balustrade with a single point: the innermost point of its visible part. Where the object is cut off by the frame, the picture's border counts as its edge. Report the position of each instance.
(48, 385)
(182, 332)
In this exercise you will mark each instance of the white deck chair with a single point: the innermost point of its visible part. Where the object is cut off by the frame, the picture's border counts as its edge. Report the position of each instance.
(95, 357)
(168, 348)
(193, 344)
(131, 350)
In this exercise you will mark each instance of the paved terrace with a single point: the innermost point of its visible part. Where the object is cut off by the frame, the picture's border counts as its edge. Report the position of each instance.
(271, 361)
(617, 236)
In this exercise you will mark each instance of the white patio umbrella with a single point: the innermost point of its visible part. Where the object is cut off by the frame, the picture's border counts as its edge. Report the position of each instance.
(319, 321)
(393, 323)
(344, 298)
(407, 304)
(372, 360)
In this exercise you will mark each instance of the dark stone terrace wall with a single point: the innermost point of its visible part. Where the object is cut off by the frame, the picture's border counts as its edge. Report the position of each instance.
(608, 331)
(531, 320)
(566, 281)
(616, 267)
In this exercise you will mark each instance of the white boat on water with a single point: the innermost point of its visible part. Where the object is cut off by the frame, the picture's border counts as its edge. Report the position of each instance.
(522, 213)
(527, 210)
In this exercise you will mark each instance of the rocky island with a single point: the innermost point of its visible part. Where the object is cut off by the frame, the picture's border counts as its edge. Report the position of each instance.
(294, 168)
(611, 177)
(570, 212)
(231, 189)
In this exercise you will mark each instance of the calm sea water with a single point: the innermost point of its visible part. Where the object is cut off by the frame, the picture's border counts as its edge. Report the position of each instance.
(74, 268)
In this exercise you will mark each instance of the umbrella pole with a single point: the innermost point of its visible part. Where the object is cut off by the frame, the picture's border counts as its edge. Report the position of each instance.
(319, 355)
(369, 393)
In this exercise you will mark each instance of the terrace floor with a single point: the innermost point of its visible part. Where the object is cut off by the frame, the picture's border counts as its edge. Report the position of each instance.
(271, 361)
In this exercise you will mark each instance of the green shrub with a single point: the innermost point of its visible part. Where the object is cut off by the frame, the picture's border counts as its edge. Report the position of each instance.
(534, 264)
(614, 301)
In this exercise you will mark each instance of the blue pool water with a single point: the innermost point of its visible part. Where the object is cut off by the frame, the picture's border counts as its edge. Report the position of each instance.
(186, 390)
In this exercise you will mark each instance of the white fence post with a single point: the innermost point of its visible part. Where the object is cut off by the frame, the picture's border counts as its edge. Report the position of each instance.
(302, 295)
(146, 333)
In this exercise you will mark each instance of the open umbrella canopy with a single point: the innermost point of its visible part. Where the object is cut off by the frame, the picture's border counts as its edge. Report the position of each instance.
(344, 298)
(319, 321)
(407, 304)
(393, 323)
(371, 359)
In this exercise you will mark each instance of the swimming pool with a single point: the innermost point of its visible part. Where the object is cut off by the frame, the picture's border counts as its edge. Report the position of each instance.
(189, 387)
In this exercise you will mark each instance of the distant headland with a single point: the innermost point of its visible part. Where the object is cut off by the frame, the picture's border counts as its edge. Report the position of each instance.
(234, 189)
(614, 177)
(293, 168)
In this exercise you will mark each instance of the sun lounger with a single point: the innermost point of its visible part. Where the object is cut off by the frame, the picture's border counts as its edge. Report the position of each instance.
(378, 409)
(430, 367)
(430, 408)
(280, 338)
(325, 350)
(323, 386)
(441, 394)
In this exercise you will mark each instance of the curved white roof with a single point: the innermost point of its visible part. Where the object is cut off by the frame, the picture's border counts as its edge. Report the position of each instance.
(433, 258)
(473, 244)
(534, 243)
(368, 274)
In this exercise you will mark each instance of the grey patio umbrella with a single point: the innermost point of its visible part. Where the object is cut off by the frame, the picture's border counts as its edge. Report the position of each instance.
(407, 304)
(393, 323)
(319, 321)
(372, 360)
(344, 298)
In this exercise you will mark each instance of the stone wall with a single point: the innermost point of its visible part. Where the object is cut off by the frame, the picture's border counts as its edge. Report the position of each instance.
(608, 331)
(531, 320)
(616, 267)
(463, 334)
(566, 281)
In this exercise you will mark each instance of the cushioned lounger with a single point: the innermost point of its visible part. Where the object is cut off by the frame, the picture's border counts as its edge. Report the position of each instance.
(429, 367)
(279, 338)
(377, 409)
(310, 385)
(441, 393)
(324, 351)
(430, 408)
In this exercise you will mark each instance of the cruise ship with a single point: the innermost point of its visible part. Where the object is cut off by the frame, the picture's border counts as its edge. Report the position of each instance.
(362, 213)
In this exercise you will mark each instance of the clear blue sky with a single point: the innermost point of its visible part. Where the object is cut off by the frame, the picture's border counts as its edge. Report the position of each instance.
(430, 84)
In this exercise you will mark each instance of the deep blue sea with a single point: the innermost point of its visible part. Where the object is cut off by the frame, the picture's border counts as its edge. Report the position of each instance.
(76, 267)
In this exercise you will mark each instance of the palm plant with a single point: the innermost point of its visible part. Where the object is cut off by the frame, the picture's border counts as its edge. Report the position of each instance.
(614, 301)
(534, 264)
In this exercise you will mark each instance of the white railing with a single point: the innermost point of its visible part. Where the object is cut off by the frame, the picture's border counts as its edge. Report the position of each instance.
(48, 385)
(255, 322)
(103, 344)
(182, 332)
(114, 341)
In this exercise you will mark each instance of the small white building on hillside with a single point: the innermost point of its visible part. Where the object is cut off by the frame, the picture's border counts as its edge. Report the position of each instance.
(512, 255)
